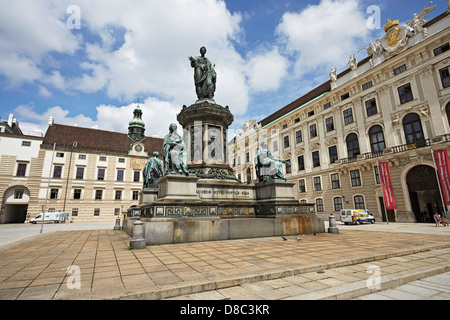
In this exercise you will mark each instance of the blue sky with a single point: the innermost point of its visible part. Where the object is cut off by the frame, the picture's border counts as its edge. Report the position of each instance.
(267, 53)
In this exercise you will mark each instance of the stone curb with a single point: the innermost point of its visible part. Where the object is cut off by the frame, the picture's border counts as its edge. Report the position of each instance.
(348, 291)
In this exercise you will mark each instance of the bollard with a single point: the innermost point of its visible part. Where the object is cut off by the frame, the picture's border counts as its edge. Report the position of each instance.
(332, 227)
(138, 240)
(117, 226)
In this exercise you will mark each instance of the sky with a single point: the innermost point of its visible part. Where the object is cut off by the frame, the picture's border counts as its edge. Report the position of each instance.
(89, 62)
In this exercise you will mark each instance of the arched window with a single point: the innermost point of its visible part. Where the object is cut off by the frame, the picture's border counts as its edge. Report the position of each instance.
(377, 139)
(352, 145)
(413, 129)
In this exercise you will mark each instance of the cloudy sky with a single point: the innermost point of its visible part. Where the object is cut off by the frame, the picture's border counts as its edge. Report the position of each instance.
(87, 62)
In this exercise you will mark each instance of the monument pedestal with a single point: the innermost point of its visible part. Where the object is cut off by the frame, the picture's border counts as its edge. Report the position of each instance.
(178, 188)
(275, 199)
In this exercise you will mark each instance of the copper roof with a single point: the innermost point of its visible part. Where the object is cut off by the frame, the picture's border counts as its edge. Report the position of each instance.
(95, 140)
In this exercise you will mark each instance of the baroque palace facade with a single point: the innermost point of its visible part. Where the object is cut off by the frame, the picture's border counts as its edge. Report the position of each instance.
(392, 106)
(94, 175)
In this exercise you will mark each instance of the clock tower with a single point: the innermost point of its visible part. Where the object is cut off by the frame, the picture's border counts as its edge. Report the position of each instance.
(136, 127)
(136, 133)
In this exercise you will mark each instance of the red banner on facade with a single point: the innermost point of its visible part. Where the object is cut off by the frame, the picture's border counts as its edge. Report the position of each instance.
(443, 170)
(386, 184)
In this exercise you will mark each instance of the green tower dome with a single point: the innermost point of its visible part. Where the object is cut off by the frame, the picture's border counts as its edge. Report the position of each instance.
(136, 127)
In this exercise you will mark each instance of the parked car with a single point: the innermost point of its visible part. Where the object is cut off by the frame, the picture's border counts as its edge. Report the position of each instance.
(356, 216)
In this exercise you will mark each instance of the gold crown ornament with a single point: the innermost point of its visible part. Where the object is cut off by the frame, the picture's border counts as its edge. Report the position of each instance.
(390, 24)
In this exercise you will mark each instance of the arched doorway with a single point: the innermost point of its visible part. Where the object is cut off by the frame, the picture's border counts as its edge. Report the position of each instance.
(424, 193)
(15, 205)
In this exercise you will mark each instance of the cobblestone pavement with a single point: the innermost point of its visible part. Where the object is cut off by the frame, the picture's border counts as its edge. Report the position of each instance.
(98, 264)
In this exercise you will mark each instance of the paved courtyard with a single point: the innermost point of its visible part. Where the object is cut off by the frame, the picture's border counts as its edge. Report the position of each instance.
(98, 264)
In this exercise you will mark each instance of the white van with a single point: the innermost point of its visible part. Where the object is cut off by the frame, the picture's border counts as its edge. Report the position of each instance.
(356, 216)
(55, 217)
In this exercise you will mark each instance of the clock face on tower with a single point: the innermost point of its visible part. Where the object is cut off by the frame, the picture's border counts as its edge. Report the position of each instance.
(138, 148)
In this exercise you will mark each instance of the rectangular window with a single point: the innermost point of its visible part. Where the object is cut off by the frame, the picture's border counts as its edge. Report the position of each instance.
(118, 195)
(298, 136)
(57, 170)
(335, 183)
(345, 96)
(54, 193)
(21, 169)
(286, 141)
(101, 174)
(329, 122)
(317, 184)
(26, 143)
(311, 113)
(60, 154)
(445, 77)
(247, 157)
(302, 186)
(337, 204)
(313, 131)
(297, 120)
(137, 176)
(121, 160)
(77, 194)
(367, 85)
(327, 105)
(82, 157)
(441, 49)
(301, 163)
(285, 126)
(288, 167)
(377, 174)
(117, 211)
(405, 93)
(319, 205)
(120, 174)
(348, 116)
(333, 154)
(102, 158)
(135, 195)
(371, 107)
(98, 194)
(355, 177)
(316, 159)
(399, 69)
(18, 194)
(359, 202)
(80, 173)
(75, 212)
(275, 145)
(96, 212)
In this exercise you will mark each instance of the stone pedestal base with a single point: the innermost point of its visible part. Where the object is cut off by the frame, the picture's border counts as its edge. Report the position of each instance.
(178, 187)
(148, 195)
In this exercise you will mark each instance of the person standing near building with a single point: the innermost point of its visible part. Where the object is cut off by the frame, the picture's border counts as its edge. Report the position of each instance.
(437, 219)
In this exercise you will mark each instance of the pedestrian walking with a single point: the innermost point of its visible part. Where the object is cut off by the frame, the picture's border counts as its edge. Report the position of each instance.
(437, 219)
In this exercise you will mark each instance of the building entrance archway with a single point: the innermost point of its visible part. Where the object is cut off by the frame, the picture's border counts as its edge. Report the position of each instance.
(424, 193)
(15, 205)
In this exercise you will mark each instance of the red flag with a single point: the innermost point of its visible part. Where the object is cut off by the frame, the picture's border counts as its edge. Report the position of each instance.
(443, 170)
(386, 184)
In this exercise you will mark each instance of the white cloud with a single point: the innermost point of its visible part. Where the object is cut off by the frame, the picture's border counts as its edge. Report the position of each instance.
(43, 92)
(265, 71)
(157, 115)
(323, 34)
